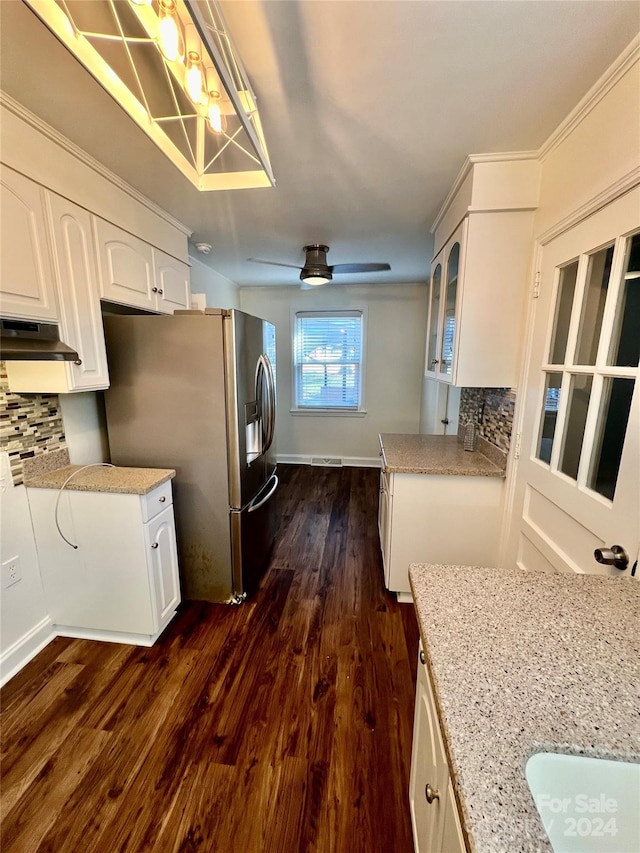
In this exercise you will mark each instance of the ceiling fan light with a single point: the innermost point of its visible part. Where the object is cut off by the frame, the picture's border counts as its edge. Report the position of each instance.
(315, 278)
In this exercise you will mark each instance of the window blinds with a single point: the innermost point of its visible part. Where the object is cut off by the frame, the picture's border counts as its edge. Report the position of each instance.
(328, 359)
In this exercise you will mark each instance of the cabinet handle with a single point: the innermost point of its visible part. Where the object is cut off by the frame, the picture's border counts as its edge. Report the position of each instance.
(160, 291)
(78, 361)
(162, 499)
(431, 794)
(154, 545)
(423, 659)
(154, 290)
(434, 361)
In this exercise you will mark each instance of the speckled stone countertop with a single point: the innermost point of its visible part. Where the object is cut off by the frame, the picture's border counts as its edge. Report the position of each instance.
(116, 480)
(525, 662)
(433, 454)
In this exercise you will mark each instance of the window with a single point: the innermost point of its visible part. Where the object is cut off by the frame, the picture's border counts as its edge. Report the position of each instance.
(328, 360)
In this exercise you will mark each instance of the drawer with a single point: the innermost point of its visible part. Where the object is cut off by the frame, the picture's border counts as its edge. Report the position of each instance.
(156, 501)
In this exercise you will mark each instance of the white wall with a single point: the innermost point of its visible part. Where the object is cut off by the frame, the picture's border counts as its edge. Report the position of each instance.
(220, 291)
(396, 318)
(25, 626)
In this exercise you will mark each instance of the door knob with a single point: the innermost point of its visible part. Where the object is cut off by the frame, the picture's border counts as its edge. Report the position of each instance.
(614, 556)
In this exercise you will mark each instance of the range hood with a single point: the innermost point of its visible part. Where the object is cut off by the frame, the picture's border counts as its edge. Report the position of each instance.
(30, 340)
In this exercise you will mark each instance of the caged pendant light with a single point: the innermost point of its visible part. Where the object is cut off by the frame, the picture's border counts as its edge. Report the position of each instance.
(172, 67)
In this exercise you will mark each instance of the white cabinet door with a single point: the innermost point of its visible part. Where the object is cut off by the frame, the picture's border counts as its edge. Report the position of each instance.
(172, 282)
(27, 287)
(452, 837)
(126, 267)
(426, 801)
(384, 523)
(163, 564)
(77, 276)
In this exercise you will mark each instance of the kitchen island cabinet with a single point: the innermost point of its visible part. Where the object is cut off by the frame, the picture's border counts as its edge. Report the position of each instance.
(521, 663)
(116, 575)
(437, 502)
(434, 812)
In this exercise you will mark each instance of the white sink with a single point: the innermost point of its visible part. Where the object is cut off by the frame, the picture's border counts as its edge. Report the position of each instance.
(587, 805)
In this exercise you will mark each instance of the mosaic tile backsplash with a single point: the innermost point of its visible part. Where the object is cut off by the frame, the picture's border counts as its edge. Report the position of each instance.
(30, 424)
(492, 409)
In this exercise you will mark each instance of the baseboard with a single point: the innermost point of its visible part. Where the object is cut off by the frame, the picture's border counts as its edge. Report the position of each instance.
(404, 597)
(23, 650)
(332, 461)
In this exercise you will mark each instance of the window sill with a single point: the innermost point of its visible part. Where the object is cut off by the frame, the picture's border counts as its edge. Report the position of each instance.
(329, 413)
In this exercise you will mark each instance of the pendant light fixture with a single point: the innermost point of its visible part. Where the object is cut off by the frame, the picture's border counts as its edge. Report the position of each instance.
(182, 103)
(170, 39)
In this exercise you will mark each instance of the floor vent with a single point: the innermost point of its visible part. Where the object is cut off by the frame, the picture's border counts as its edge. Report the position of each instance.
(327, 461)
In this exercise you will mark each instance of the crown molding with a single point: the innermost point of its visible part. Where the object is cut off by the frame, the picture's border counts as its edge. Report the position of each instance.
(80, 154)
(629, 56)
(467, 166)
(593, 205)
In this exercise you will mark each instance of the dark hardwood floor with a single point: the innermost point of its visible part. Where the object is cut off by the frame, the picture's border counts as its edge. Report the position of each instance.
(282, 725)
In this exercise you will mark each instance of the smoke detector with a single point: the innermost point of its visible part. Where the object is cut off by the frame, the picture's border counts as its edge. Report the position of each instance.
(204, 248)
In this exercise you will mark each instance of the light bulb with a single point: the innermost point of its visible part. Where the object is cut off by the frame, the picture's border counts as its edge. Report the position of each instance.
(217, 119)
(194, 79)
(169, 35)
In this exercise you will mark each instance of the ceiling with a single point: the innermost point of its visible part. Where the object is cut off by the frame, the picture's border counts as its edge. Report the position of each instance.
(369, 109)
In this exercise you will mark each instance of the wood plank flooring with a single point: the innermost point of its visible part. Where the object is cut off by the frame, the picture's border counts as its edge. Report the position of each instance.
(282, 725)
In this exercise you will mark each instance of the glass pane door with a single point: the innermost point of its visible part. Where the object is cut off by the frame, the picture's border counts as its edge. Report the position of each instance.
(434, 319)
(445, 367)
(593, 355)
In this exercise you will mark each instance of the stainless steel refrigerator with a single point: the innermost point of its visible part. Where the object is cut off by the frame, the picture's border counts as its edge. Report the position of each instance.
(195, 391)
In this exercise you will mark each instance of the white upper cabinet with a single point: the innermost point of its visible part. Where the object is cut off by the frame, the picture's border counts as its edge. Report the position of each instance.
(172, 283)
(80, 319)
(126, 267)
(27, 287)
(480, 275)
(135, 274)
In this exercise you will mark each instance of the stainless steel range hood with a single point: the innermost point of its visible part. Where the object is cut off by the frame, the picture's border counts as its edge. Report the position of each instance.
(30, 340)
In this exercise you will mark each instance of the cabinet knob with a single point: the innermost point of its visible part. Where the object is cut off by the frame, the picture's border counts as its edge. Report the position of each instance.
(161, 291)
(434, 361)
(154, 289)
(78, 361)
(423, 659)
(431, 794)
(154, 545)
(162, 499)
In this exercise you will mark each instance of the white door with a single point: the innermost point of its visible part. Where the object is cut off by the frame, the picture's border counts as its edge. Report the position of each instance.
(577, 485)
(126, 267)
(172, 280)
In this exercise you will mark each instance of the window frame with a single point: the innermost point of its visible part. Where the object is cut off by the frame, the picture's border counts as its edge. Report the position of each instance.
(328, 411)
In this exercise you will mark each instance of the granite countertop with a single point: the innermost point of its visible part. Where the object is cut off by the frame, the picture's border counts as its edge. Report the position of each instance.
(50, 470)
(525, 662)
(434, 454)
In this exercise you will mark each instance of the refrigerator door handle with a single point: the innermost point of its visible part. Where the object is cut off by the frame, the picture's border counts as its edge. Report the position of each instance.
(254, 506)
(265, 382)
(271, 385)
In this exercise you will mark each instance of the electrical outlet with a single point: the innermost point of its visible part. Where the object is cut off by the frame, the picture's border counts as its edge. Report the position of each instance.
(11, 572)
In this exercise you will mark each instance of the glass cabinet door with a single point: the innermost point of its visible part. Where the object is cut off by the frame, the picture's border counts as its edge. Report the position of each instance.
(445, 365)
(434, 320)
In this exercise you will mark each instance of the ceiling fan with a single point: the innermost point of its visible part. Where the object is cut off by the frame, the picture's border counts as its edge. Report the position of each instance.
(316, 271)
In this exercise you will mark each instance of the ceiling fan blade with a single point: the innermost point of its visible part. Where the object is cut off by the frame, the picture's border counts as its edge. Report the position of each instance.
(344, 268)
(273, 263)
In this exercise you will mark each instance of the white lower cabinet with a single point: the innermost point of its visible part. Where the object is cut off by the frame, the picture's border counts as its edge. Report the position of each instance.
(428, 518)
(434, 812)
(121, 581)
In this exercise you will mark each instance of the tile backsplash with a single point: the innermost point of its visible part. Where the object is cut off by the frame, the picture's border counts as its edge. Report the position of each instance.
(492, 409)
(30, 425)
